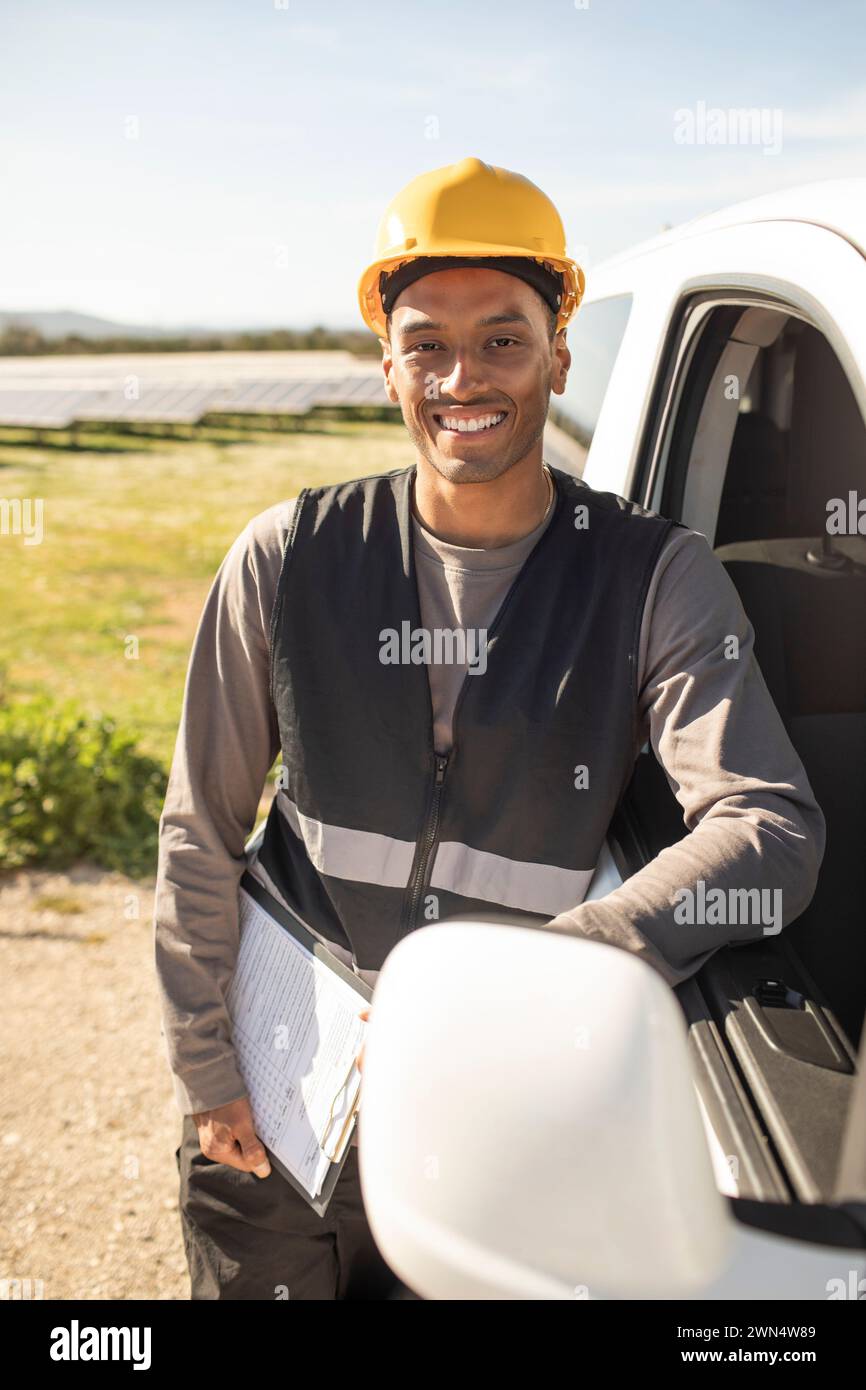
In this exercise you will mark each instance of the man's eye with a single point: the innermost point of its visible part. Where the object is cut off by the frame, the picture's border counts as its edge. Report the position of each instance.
(421, 347)
(505, 339)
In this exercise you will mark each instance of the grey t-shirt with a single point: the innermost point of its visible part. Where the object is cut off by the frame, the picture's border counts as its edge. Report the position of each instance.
(746, 800)
(462, 587)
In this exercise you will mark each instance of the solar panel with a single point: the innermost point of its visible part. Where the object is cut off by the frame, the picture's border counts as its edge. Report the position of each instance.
(254, 397)
(171, 402)
(295, 397)
(354, 390)
(156, 403)
(39, 409)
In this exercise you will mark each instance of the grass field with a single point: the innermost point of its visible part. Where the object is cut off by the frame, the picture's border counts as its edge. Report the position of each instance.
(133, 534)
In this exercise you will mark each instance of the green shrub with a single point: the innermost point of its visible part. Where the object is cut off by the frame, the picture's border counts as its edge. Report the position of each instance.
(72, 787)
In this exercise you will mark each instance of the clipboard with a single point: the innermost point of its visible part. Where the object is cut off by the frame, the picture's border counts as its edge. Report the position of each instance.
(296, 928)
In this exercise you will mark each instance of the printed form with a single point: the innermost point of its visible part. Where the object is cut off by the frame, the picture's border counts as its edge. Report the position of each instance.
(297, 1035)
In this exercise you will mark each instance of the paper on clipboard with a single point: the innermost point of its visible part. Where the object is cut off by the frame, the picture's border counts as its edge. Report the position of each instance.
(296, 1035)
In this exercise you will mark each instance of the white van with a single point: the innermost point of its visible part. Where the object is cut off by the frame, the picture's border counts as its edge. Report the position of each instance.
(714, 1146)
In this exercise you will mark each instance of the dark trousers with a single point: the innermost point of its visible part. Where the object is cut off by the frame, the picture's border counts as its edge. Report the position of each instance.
(249, 1237)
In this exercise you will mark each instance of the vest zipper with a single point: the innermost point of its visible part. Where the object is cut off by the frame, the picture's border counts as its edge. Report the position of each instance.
(427, 843)
(431, 824)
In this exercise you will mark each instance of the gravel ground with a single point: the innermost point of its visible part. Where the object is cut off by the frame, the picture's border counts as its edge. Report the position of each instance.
(88, 1122)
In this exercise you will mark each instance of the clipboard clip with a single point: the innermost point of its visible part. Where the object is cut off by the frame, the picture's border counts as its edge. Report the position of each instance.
(323, 1142)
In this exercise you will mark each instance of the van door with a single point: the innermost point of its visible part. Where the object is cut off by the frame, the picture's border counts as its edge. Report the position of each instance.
(753, 433)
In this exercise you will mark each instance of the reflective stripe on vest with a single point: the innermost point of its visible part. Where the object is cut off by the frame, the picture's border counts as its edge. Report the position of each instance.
(360, 855)
(365, 857)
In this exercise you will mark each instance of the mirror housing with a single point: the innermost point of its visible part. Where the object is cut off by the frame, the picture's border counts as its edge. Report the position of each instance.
(529, 1126)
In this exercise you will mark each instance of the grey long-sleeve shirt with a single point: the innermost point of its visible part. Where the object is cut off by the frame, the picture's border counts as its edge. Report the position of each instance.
(746, 800)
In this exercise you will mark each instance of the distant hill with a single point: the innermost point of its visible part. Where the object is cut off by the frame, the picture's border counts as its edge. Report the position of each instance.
(62, 323)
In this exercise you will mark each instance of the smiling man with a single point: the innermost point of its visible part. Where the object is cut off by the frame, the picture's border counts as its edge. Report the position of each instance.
(488, 424)
(417, 785)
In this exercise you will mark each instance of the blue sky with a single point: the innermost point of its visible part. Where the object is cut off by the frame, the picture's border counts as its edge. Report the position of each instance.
(268, 135)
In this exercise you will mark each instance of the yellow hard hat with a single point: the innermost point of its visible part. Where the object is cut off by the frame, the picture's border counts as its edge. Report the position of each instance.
(471, 210)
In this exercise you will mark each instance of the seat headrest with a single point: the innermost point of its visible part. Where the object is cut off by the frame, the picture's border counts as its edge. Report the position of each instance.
(828, 435)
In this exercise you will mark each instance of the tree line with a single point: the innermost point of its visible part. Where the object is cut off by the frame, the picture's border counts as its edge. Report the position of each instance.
(18, 340)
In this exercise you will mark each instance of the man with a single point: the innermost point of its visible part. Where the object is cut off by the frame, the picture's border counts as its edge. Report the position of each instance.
(459, 663)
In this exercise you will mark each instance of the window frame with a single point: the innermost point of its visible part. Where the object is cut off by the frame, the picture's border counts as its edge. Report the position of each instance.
(658, 478)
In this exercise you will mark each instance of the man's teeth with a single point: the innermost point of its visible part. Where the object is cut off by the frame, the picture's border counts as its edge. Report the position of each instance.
(481, 422)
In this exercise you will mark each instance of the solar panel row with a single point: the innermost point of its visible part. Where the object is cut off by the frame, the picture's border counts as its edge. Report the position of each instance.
(40, 409)
(169, 403)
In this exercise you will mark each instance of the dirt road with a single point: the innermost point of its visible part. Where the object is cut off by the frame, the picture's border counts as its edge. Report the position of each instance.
(88, 1122)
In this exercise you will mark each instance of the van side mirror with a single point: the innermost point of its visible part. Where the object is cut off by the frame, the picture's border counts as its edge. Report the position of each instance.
(529, 1126)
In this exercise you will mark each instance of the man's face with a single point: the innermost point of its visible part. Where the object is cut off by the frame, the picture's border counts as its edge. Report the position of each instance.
(471, 364)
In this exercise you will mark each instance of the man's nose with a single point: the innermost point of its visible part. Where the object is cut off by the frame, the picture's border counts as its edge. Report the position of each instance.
(464, 378)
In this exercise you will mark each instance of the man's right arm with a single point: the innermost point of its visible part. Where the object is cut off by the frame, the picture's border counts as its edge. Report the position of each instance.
(227, 741)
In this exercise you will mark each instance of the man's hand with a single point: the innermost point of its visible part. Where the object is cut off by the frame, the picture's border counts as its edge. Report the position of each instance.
(228, 1135)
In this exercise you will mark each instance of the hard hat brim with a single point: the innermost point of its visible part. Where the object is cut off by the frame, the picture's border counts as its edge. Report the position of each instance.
(368, 286)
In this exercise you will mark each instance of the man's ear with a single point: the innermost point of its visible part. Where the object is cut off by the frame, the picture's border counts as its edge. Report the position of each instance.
(561, 363)
(388, 369)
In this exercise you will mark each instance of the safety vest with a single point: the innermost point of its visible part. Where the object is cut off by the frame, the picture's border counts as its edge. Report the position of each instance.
(373, 832)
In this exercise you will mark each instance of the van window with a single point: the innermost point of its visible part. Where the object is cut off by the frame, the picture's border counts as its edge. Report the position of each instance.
(594, 337)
